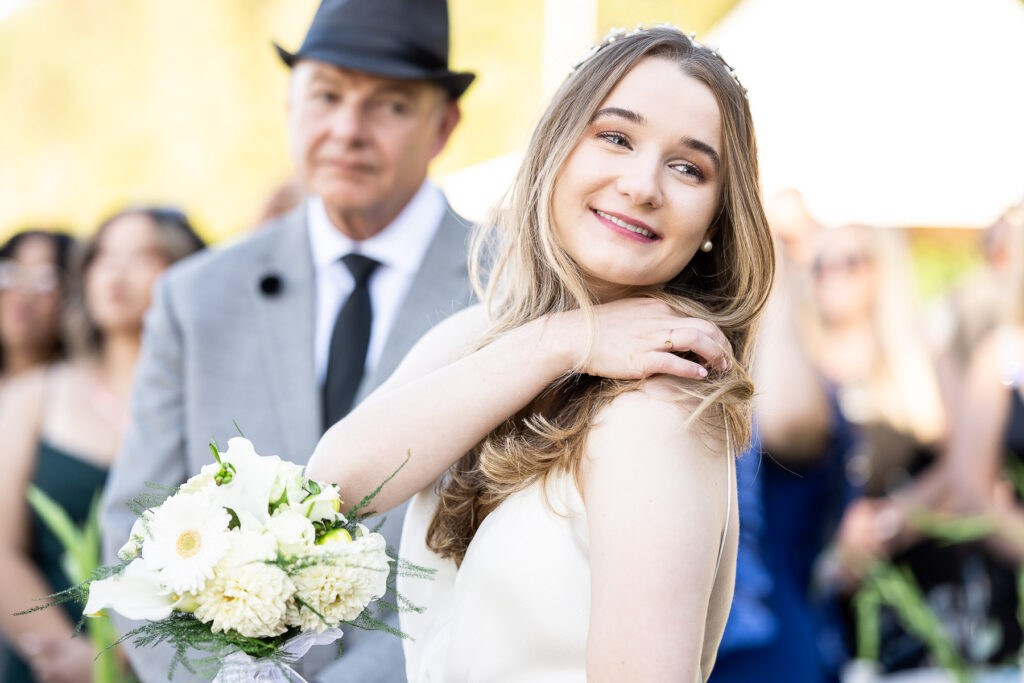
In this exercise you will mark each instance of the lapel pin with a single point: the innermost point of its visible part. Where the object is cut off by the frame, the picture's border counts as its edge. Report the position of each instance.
(271, 284)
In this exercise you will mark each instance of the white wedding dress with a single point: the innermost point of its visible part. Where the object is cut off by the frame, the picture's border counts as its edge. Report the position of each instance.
(517, 610)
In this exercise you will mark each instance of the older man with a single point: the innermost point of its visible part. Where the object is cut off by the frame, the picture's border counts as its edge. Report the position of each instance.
(285, 330)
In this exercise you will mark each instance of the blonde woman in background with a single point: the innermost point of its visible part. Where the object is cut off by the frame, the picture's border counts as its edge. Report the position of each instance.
(860, 327)
(574, 472)
(912, 458)
(988, 433)
(61, 428)
(977, 305)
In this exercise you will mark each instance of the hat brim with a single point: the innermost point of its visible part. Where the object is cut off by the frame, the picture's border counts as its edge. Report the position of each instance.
(454, 83)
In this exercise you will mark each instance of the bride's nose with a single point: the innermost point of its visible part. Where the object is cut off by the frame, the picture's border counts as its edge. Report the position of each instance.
(640, 180)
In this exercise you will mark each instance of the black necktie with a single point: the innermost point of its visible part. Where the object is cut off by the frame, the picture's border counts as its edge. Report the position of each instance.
(349, 341)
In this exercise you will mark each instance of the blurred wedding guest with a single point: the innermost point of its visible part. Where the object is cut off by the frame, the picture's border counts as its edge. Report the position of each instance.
(62, 426)
(33, 264)
(975, 305)
(792, 490)
(860, 328)
(865, 340)
(986, 451)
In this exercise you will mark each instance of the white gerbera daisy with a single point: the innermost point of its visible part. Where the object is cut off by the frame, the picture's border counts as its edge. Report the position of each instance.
(188, 535)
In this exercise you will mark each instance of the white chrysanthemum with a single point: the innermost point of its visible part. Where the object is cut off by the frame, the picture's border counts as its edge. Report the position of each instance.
(246, 594)
(294, 533)
(188, 535)
(353, 574)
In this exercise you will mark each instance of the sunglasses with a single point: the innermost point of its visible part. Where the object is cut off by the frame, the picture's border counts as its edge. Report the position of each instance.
(841, 264)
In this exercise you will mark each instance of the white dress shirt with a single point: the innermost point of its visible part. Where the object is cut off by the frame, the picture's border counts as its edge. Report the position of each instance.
(399, 248)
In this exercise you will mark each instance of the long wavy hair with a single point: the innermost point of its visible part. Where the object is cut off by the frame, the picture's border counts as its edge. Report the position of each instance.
(528, 274)
(902, 388)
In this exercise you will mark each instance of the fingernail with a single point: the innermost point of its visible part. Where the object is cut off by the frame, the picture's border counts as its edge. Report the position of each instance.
(725, 364)
(702, 372)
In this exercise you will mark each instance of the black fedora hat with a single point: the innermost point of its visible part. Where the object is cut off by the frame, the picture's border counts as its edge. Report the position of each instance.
(405, 39)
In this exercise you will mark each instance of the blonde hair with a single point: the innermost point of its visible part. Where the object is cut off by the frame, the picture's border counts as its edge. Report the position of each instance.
(529, 275)
(903, 389)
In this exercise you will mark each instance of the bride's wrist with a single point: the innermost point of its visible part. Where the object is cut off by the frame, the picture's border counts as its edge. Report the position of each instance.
(557, 341)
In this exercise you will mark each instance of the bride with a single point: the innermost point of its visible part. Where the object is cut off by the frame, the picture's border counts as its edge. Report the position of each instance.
(572, 437)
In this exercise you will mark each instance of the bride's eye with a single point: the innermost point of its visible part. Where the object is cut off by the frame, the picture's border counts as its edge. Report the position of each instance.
(689, 170)
(617, 139)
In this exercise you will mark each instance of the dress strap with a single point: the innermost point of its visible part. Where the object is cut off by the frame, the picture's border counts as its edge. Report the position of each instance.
(728, 503)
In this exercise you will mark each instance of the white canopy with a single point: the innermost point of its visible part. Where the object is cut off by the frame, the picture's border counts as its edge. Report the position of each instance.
(888, 112)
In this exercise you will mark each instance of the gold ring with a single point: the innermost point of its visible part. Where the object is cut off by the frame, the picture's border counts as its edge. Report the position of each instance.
(668, 342)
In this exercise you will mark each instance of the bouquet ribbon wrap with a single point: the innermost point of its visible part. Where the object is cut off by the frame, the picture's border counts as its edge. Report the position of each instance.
(239, 667)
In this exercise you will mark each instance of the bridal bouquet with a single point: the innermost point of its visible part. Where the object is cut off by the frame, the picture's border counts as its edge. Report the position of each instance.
(248, 560)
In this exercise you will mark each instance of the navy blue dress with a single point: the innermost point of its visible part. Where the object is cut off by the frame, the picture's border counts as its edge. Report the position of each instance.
(778, 630)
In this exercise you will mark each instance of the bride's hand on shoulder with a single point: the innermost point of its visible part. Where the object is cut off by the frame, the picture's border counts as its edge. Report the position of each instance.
(639, 337)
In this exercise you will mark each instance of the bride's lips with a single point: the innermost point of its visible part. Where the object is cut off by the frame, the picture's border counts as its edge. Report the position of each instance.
(630, 228)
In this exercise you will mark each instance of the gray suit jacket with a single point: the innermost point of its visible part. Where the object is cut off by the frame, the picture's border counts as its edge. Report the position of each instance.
(217, 348)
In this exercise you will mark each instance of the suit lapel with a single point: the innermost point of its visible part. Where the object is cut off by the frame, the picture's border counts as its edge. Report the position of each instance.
(440, 288)
(287, 335)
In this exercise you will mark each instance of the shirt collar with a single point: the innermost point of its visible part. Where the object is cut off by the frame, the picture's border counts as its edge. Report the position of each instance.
(401, 244)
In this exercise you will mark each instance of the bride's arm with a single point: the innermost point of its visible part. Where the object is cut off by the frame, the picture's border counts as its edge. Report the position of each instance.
(655, 495)
(444, 399)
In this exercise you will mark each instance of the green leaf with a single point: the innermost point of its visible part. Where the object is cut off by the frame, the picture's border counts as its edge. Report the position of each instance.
(312, 489)
(53, 515)
(283, 500)
(897, 588)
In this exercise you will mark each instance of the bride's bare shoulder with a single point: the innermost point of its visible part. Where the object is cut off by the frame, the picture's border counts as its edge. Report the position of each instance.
(652, 424)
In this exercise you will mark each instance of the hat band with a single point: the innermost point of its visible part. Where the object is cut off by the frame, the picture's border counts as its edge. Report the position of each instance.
(366, 45)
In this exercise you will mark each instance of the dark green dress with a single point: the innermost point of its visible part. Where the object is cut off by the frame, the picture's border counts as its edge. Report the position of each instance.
(72, 483)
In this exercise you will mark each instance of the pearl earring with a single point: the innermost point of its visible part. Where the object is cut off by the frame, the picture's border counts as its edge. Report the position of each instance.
(706, 247)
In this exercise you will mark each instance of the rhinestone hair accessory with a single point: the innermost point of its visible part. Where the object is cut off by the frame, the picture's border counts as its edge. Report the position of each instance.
(620, 33)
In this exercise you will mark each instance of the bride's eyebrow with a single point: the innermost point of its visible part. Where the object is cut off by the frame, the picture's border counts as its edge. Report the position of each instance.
(704, 148)
(628, 114)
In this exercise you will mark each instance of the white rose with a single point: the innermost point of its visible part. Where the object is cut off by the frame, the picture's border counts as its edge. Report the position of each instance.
(324, 505)
(294, 533)
(289, 480)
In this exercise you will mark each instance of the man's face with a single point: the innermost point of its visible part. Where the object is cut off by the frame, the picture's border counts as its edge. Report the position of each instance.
(363, 143)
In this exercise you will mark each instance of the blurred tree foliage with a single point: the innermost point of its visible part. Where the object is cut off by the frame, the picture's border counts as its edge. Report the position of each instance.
(108, 102)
